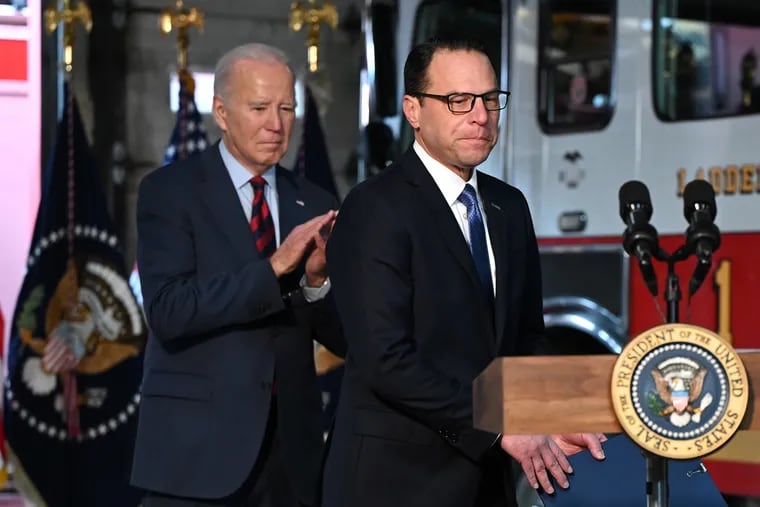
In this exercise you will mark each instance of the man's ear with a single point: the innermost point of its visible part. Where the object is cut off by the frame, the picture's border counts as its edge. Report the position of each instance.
(220, 113)
(411, 107)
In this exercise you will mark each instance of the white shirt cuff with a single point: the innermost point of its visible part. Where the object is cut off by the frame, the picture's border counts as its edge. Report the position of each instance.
(313, 294)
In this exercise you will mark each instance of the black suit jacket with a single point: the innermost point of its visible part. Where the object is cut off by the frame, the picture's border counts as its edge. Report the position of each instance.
(221, 324)
(419, 330)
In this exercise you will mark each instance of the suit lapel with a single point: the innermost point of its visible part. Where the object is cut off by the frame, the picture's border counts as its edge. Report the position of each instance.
(293, 210)
(441, 215)
(498, 231)
(220, 196)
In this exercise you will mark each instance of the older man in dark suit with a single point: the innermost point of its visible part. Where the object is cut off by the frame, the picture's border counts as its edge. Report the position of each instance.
(234, 279)
(435, 272)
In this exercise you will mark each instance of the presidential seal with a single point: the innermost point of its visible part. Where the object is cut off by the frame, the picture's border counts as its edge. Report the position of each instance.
(679, 391)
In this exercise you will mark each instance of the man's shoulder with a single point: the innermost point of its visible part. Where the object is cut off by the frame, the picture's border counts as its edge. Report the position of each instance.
(308, 188)
(499, 188)
(391, 176)
(177, 174)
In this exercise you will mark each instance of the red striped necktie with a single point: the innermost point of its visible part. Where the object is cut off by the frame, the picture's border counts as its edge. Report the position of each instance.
(262, 224)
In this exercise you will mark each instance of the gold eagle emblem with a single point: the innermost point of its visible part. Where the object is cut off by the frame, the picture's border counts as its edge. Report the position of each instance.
(680, 392)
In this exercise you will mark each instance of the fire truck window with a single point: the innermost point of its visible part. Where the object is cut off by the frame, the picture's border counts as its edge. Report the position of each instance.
(576, 39)
(706, 58)
(478, 20)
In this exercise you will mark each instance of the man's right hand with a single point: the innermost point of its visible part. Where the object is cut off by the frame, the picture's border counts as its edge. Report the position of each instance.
(300, 241)
(538, 454)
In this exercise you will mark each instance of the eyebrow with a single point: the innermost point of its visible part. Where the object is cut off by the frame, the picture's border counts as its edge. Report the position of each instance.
(266, 102)
(473, 93)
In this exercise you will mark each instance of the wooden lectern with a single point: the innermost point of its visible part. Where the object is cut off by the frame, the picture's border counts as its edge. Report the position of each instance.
(564, 394)
(569, 394)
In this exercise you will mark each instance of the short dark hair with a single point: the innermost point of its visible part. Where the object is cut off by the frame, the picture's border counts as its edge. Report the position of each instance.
(416, 78)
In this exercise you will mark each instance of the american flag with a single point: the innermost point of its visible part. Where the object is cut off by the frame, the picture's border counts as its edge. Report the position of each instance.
(189, 135)
(188, 138)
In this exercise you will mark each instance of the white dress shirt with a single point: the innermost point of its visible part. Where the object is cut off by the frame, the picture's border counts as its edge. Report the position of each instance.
(451, 186)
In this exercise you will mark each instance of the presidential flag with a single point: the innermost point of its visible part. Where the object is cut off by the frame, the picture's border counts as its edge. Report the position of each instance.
(188, 138)
(313, 162)
(76, 341)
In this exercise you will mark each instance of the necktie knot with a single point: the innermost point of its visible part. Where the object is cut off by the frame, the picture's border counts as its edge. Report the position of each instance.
(468, 197)
(258, 183)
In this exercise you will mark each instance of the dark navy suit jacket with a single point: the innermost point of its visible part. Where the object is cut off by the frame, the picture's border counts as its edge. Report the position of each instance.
(221, 324)
(419, 330)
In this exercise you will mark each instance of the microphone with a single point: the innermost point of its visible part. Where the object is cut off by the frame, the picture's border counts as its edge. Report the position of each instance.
(640, 237)
(702, 235)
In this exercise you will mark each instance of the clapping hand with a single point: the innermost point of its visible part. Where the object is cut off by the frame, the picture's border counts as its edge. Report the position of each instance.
(302, 240)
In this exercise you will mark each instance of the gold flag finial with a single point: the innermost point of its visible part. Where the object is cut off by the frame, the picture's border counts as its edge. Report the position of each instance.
(68, 17)
(182, 18)
(301, 14)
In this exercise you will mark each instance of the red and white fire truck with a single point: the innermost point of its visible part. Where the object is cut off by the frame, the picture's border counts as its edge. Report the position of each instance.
(605, 91)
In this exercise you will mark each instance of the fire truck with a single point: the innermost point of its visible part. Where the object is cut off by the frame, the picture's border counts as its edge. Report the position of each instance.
(602, 92)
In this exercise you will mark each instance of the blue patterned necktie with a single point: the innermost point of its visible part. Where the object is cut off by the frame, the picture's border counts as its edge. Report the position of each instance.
(478, 246)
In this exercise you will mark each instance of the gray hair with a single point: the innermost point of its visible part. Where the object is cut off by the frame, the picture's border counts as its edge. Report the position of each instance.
(254, 51)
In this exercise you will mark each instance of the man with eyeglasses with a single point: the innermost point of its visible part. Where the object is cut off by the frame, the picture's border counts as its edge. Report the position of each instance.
(435, 272)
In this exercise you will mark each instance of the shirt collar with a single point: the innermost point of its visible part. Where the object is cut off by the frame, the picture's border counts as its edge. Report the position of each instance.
(240, 175)
(448, 182)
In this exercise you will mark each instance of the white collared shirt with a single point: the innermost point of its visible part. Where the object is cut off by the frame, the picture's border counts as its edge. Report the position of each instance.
(451, 186)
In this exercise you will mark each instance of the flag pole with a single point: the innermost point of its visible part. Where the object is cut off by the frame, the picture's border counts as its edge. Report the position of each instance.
(67, 18)
(313, 16)
(181, 19)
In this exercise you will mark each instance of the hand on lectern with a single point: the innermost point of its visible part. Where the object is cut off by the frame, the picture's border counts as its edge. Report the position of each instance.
(571, 443)
(538, 455)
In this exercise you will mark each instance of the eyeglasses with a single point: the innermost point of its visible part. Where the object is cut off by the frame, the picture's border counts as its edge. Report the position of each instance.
(464, 102)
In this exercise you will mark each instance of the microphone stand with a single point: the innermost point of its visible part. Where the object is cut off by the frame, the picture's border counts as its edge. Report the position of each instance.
(657, 466)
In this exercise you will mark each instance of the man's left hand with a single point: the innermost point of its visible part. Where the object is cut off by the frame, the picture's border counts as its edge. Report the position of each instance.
(572, 443)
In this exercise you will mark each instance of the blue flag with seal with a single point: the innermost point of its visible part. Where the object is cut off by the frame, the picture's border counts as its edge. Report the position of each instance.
(76, 342)
(313, 163)
(188, 138)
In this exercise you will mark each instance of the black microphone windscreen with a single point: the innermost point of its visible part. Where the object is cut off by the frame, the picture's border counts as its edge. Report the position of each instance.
(634, 192)
(699, 191)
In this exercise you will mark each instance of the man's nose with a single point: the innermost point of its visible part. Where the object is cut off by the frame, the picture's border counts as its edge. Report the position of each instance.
(274, 120)
(479, 112)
